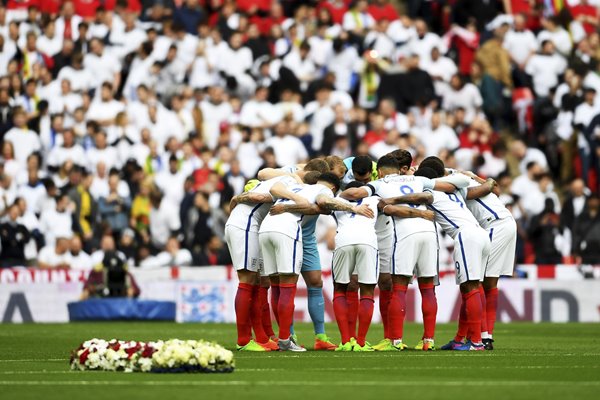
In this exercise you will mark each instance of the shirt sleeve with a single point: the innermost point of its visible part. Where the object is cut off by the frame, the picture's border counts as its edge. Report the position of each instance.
(372, 187)
(458, 180)
(427, 183)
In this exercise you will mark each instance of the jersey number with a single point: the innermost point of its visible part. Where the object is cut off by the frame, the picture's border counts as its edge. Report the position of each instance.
(405, 189)
(454, 198)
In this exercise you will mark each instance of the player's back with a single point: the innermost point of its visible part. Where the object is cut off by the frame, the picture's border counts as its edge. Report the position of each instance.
(289, 223)
(485, 209)
(356, 229)
(249, 216)
(451, 213)
(399, 185)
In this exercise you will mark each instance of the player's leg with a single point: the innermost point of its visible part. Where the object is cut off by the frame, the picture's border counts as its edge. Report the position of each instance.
(247, 272)
(503, 237)
(367, 272)
(352, 299)
(384, 283)
(263, 296)
(342, 263)
(426, 271)
(474, 251)
(289, 260)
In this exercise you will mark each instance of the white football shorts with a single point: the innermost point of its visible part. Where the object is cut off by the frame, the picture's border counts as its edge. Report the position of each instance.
(416, 254)
(503, 238)
(244, 249)
(358, 259)
(471, 253)
(281, 253)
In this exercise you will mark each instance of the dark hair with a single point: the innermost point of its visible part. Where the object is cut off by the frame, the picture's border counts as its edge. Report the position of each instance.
(330, 177)
(434, 163)
(426, 172)
(354, 184)
(317, 164)
(388, 161)
(403, 156)
(361, 165)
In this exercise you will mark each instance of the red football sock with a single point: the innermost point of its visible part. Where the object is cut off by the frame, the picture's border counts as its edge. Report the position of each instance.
(340, 308)
(263, 297)
(384, 303)
(352, 300)
(365, 314)
(429, 309)
(473, 305)
(484, 327)
(286, 308)
(275, 300)
(397, 312)
(243, 303)
(463, 326)
(256, 317)
(491, 305)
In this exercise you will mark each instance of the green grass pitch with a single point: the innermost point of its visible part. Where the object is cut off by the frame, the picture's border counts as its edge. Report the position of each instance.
(531, 361)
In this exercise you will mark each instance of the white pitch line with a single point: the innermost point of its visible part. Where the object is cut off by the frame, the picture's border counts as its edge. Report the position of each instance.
(344, 369)
(298, 383)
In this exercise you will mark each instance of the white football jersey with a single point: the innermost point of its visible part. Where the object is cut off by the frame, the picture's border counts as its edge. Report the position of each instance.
(356, 229)
(451, 213)
(397, 185)
(289, 223)
(486, 209)
(384, 229)
(250, 216)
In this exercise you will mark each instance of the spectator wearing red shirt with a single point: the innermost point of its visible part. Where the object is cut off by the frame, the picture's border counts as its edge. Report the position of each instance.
(382, 9)
(529, 8)
(337, 9)
(51, 7)
(479, 136)
(377, 132)
(586, 14)
(134, 6)
(86, 8)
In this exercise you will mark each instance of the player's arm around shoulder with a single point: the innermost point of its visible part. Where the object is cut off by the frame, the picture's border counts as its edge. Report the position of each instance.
(450, 183)
(424, 198)
(331, 204)
(250, 197)
(355, 193)
(281, 191)
(407, 212)
(477, 192)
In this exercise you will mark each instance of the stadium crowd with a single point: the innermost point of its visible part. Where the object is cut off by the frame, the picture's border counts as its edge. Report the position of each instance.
(132, 124)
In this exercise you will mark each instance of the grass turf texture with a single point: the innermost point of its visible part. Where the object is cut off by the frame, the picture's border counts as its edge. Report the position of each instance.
(531, 361)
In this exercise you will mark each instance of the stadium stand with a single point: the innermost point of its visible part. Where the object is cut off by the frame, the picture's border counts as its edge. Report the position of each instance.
(130, 123)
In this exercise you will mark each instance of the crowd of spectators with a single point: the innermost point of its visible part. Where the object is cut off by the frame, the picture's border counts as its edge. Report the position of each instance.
(130, 124)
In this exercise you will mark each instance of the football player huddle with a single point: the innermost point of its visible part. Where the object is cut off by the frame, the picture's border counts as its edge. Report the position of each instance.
(387, 215)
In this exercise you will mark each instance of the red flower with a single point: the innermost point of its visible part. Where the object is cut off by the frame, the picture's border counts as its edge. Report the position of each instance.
(115, 346)
(148, 351)
(84, 356)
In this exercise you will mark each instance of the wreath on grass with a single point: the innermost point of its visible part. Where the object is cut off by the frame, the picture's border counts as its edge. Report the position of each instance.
(160, 356)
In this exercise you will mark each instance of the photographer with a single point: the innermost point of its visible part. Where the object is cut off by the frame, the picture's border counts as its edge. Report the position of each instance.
(110, 279)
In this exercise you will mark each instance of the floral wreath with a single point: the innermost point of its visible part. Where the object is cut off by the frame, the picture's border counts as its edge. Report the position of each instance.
(173, 355)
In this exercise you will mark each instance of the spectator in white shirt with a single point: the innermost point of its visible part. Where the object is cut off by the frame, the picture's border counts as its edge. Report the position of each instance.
(81, 78)
(33, 191)
(463, 95)
(320, 114)
(57, 222)
(299, 62)
(55, 255)
(521, 44)
(170, 181)
(424, 41)
(80, 260)
(439, 136)
(50, 43)
(68, 151)
(173, 255)
(441, 69)
(525, 155)
(103, 66)
(357, 20)
(545, 68)
(344, 62)
(288, 149)
(105, 109)
(554, 32)
(258, 112)
(24, 140)
(235, 64)
(102, 153)
(164, 220)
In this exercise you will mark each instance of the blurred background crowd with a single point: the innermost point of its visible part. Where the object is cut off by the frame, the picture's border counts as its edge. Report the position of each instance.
(130, 124)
